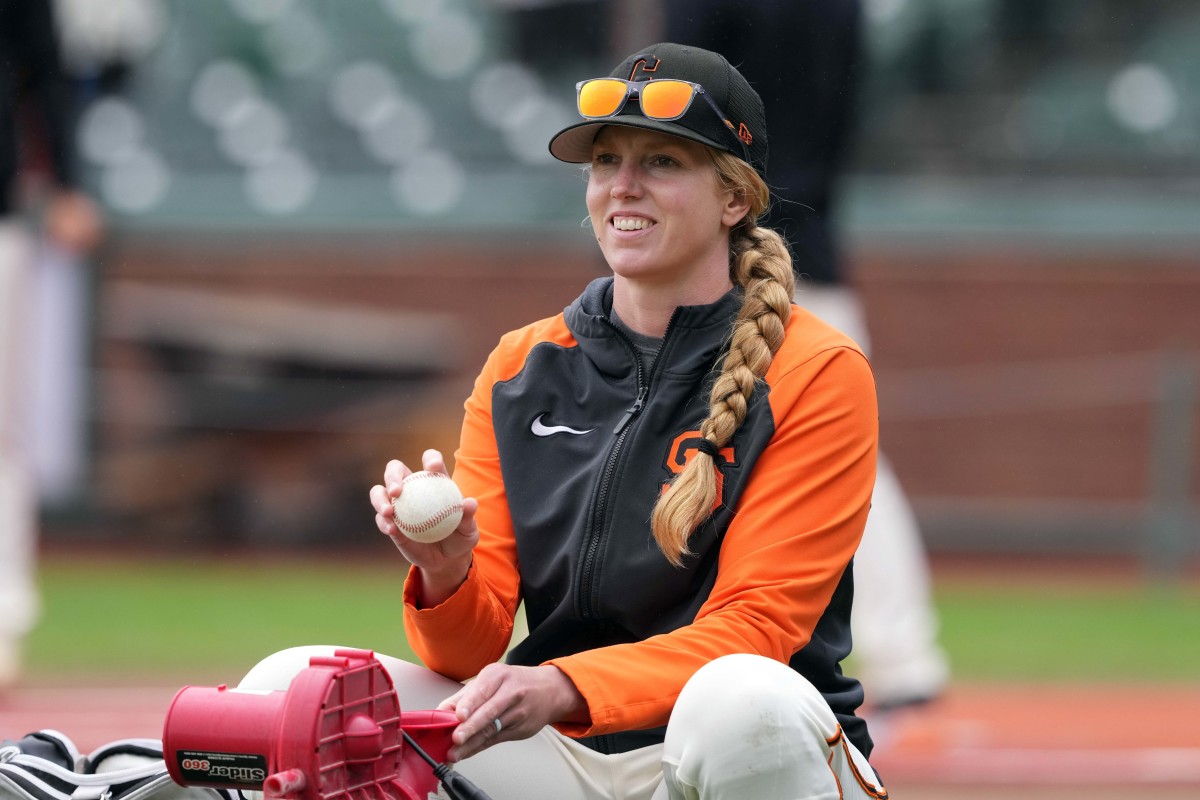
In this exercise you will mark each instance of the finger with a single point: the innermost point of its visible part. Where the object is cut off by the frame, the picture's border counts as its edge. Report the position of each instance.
(451, 703)
(465, 703)
(383, 511)
(393, 475)
(433, 461)
(483, 722)
(387, 526)
(380, 500)
(491, 732)
(480, 703)
(469, 506)
(469, 701)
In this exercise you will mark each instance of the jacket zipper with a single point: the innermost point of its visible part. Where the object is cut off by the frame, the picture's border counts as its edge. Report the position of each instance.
(638, 404)
(591, 548)
(587, 568)
(587, 565)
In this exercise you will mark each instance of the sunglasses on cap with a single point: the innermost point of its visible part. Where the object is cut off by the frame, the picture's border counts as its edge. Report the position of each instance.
(663, 99)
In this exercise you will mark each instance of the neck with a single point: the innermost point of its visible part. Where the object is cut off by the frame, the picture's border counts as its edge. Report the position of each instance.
(648, 309)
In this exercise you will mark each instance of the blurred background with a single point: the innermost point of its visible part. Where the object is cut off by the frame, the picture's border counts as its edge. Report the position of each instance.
(320, 217)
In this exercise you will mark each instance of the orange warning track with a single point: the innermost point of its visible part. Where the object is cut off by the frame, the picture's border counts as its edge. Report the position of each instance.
(1049, 735)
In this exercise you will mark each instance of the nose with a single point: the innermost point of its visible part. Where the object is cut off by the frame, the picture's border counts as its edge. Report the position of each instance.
(628, 181)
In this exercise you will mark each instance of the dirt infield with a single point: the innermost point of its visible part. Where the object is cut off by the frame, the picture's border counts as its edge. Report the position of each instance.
(986, 742)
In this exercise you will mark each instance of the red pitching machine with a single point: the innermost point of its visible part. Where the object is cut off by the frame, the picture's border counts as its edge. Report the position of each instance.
(336, 733)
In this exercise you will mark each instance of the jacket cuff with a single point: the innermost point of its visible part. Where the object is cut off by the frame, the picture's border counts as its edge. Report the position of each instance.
(591, 695)
(463, 595)
(451, 638)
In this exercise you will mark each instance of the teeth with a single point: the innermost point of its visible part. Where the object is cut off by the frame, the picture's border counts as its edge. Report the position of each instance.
(631, 223)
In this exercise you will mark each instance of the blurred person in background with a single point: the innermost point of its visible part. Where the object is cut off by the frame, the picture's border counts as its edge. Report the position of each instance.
(36, 128)
(673, 474)
(805, 60)
(550, 36)
(102, 43)
(99, 46)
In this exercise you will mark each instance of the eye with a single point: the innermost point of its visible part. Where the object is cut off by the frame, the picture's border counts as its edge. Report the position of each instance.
(603, 159)
(663, 161)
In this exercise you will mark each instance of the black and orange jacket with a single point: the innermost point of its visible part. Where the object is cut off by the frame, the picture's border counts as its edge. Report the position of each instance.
(568, 441)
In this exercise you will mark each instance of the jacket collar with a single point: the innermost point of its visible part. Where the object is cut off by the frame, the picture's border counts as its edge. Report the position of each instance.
(693, 342)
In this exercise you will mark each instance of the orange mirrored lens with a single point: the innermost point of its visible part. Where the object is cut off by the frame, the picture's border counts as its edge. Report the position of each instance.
(599, 98)
(665, 99)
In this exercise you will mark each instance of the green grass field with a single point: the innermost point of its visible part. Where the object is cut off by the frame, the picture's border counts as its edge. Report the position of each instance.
(1040, 629)
(214, 618)
(211, 619)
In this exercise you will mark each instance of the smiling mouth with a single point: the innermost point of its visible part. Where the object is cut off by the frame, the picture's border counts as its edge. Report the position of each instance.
(631, 223)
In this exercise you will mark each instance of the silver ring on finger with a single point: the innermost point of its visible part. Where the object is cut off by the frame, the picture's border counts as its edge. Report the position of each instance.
(497, 726)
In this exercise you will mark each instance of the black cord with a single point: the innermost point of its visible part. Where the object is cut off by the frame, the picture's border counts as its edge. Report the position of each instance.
(458, 787)
(425, 756)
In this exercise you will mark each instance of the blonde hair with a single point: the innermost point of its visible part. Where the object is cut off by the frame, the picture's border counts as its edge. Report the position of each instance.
(760, 263)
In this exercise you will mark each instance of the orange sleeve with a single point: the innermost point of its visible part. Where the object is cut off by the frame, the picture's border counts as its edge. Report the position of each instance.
(473, 627)
(797, 526)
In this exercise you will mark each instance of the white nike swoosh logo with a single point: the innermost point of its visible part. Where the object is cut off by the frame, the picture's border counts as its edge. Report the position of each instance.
(549, 430)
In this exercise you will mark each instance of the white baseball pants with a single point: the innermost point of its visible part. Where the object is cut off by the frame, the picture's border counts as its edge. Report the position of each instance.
(744, 727)
(18, 500)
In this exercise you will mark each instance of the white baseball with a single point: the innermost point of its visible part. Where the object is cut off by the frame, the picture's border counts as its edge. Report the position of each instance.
(429, 508)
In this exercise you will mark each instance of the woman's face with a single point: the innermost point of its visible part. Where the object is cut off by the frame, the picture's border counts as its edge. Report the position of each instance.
(658, 208)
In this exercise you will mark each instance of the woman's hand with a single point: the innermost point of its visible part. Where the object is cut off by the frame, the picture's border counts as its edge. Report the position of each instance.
(443, 564)
(524, 699)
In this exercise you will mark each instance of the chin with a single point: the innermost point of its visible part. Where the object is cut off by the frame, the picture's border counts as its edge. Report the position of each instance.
(633, 272)
(630, 265)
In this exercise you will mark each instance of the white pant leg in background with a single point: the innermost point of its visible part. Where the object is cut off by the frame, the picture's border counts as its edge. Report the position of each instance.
(894, 622)
(745, 726)
(58, 384)
(18, 505)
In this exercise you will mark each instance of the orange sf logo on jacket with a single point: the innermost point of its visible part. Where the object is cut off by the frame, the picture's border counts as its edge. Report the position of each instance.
(684, 447)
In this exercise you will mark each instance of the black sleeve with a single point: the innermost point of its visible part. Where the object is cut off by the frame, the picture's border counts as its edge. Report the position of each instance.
(32, 63)
(804, 59)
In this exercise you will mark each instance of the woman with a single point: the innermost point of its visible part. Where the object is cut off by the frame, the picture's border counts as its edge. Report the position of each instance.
(673, 475)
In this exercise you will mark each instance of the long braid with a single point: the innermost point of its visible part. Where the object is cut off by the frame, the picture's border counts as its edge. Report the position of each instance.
(762, 266)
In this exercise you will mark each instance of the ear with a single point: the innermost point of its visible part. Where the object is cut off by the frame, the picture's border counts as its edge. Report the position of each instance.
(737, 206)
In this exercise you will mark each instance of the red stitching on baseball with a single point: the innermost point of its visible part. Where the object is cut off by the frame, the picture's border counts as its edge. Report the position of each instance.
(430, 521)
(437, 518)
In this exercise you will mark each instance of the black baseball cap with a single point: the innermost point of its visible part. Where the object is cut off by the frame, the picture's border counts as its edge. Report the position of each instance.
(746, 131)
